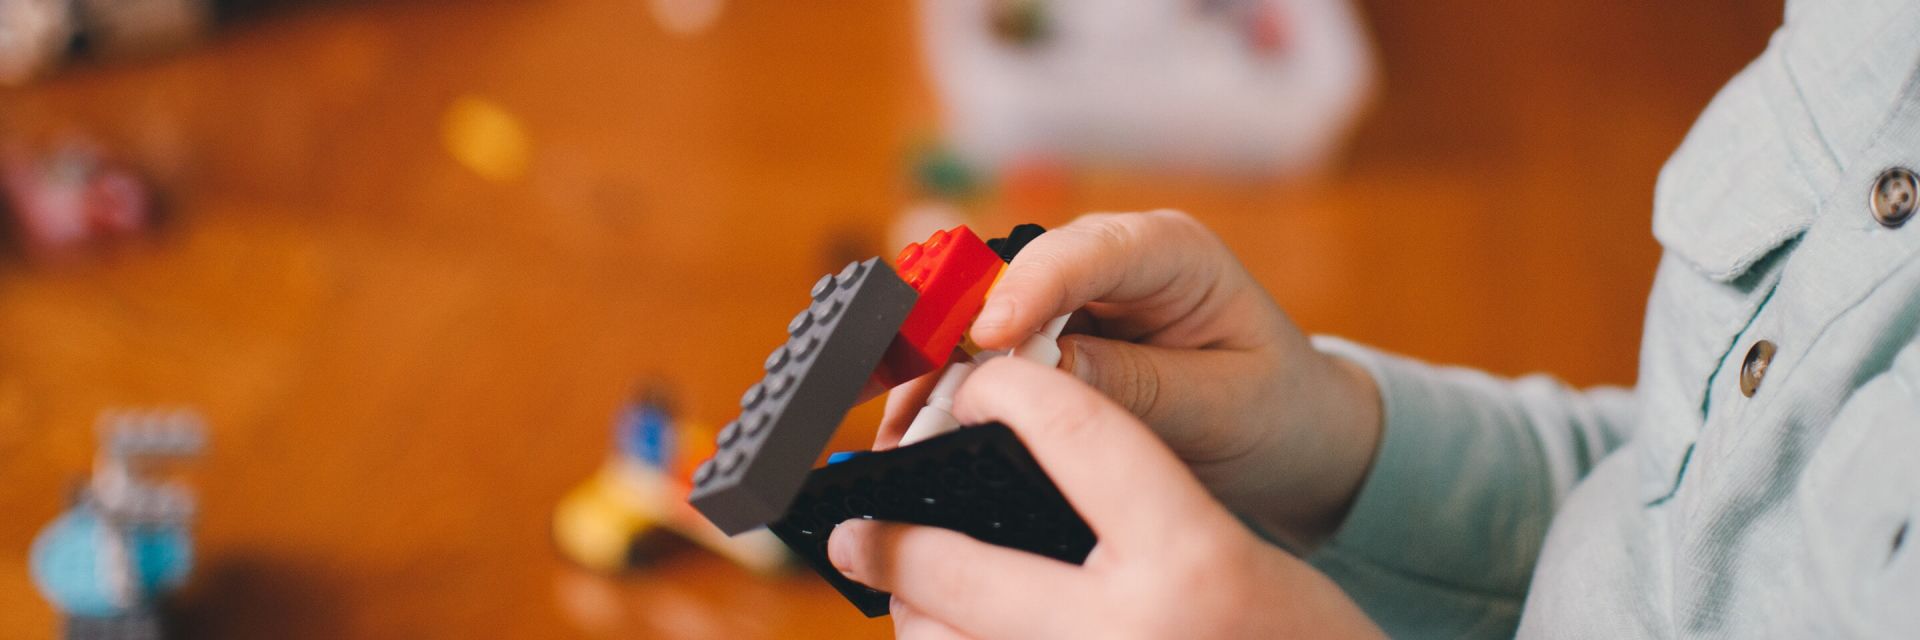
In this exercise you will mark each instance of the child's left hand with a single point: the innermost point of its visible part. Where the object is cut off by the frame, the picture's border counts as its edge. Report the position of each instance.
(1171, 562)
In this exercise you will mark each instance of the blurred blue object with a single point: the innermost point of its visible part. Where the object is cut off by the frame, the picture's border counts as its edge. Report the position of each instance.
(126, 542)
(838, 457)
(87, 567)
(645, 433)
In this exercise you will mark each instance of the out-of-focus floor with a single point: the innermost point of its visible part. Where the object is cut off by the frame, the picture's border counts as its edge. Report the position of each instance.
(405, 364)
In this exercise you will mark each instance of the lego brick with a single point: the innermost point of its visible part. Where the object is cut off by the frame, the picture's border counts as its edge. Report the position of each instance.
(1016, 240)
(952, 270)
(1043, 346)
(980, 481)
(838, 457)
(811, 381)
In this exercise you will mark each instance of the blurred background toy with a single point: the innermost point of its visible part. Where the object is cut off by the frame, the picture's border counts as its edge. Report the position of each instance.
(622, 516)
(38, 35)
(72, 196)
(109, 561)
(1261, 86)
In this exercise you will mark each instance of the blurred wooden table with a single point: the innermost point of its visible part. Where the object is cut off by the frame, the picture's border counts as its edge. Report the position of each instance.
(405, 364)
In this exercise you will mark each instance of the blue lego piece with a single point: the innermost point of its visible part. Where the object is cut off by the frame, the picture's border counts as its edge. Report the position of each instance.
(76, 572)
(645, 433)
(838, 457)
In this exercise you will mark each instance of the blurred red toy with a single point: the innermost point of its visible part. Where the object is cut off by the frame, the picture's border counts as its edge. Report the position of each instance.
(71, 197)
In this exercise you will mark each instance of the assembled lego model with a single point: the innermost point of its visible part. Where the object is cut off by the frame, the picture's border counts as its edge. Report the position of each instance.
(867, 330)
(608, 522)
(109, 561)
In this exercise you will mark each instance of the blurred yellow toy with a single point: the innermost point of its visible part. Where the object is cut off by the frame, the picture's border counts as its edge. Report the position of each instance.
(641, 492)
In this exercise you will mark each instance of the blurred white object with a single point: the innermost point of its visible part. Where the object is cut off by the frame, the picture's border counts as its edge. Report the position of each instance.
(922, 218)
(1259, 85)
(133, 446)
(687, 17)
(141, 27)
(34, 34)
(38, 35)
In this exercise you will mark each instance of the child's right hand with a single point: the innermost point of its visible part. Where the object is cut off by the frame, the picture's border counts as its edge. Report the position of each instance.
(1181, 335)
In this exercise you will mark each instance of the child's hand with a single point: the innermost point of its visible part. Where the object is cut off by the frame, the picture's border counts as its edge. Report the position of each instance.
(1171, 562)
(1180, 335)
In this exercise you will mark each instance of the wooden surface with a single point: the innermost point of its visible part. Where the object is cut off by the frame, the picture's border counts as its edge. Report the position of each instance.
(406, 364)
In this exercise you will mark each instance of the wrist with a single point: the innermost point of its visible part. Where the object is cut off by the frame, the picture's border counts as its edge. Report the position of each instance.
(1332, 446)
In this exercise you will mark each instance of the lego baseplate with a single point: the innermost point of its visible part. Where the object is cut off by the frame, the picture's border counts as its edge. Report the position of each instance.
(980, 481)
(811, 382)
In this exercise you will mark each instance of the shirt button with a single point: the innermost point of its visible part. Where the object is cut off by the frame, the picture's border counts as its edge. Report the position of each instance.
(1755, 368)
(1895, 194)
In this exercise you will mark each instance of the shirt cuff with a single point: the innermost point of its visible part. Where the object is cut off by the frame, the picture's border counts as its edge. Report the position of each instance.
(1449, 486)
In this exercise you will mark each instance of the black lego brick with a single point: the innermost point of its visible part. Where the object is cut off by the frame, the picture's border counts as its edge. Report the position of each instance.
(787, 417)
(1016, 240)
(980, 481)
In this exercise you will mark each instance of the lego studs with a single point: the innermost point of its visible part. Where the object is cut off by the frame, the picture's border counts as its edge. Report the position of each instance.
(951, 270)
(811, 381)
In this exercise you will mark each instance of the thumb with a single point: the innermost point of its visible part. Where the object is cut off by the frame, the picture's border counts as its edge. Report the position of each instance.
(1167, 388)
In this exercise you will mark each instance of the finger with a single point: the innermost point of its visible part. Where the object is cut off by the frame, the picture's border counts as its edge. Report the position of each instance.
(978, 589)
(910, 624)
(1081, 323)
(1130, 488)
(903, 403)
(1163, 262)
(1178, 391)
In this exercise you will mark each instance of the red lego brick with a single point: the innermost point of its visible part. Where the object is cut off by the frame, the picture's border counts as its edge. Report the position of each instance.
(952, 270)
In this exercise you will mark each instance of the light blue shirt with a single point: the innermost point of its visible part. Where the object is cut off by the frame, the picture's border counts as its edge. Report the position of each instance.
(1685, 507)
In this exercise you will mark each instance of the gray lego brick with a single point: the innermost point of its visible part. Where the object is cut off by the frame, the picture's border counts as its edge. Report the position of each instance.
(787, 417)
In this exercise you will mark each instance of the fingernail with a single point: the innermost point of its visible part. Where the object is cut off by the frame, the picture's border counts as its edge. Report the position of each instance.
(841, 545)
(1082, 366)
(997, 313)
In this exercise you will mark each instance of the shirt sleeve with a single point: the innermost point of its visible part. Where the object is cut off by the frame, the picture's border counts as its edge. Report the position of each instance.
(1442, 538)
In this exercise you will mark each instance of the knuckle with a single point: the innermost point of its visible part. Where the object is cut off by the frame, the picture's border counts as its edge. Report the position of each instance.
(1118, 234)
(1040, 263)
(1138, 381)
(1103, 234)
(1173, 217)
(1178, 223)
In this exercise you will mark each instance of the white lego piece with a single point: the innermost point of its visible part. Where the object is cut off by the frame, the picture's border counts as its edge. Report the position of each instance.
(135, 443)
(114, 565)
(937, 416)
(1044, 347)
